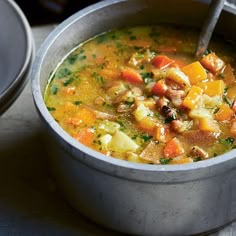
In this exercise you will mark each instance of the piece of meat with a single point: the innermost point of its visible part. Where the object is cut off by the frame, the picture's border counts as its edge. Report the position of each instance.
(199, 137)
(196, 152)
(153, 152)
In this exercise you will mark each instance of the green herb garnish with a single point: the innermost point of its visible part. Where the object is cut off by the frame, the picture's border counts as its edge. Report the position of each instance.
(77, 103)
(68, 81)
(146, 137)
(165, 161)
(51, 108)
(54, 89)
(63, 73)
(227, 141)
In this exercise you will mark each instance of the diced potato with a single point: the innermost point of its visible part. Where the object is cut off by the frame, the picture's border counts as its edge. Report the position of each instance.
(210, 102)
(121, 142)
(200, 113)
(195, 72)
(134, 157)
(141, 112)
(178, 77)
(109, 126)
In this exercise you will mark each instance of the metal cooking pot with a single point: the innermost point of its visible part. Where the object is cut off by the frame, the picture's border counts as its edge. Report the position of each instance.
(129, 197)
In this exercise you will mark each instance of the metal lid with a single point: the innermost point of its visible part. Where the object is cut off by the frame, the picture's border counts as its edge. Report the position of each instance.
(16, 52)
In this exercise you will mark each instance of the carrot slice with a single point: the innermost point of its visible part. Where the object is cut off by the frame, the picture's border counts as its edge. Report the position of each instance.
(132, 76)
(159, 88)
(86, 116)
(85, 136)
(212, 62)
(173, 148)
(162, 61)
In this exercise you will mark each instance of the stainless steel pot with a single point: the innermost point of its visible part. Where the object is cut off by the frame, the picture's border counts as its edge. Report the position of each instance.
(129, 197)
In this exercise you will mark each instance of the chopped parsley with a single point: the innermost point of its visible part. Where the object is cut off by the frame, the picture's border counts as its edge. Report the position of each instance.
(77, 103)
(146, 137)
(165, 161)
(68, 81)
(54, 89)
(132, 37)
(63, 73)
(72, 59)
(51, 108)
(228, 141)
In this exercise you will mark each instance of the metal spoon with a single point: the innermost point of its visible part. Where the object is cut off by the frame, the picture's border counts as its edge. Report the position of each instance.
(214, 11)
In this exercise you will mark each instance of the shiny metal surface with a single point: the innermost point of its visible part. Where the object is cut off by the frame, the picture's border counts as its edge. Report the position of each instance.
(16, 50)
(128, 197)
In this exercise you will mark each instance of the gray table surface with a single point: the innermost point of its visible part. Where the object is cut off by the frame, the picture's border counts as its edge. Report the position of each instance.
(30, 203)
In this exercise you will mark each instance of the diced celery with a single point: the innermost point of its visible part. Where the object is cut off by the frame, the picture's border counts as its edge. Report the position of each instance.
(200, 113)
(105, 140)
(141, 112)
(109, 126)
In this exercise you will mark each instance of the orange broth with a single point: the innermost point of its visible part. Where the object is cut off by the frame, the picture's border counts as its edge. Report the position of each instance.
(139, 94)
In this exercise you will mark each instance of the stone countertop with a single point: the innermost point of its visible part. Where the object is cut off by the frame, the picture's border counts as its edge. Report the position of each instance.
(29, 201)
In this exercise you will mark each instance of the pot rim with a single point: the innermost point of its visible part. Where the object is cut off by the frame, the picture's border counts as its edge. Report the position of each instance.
(74, 145)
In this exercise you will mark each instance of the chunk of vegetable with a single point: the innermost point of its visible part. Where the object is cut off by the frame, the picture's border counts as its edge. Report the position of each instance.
(121, 142)
(224, 113)
(178, 77)
(86, 116)
(160, 133)
(141, 112)
(109, 126)
(105, 141)
(159, 88)
(85, 136)
(162, 61)
(200, 113)
(132, 76)
(195, 72)
(212, 62)
(228, 75)
(147, 124)
(192, 97)
(208, 124)
(152, 152)
(233, 127)
(212, 88)
(173, 148)
(231, 92)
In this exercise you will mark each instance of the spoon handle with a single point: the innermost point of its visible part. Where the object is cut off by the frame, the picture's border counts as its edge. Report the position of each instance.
(214, 11)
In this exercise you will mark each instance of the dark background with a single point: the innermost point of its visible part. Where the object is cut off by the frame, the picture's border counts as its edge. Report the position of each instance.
(40, 12)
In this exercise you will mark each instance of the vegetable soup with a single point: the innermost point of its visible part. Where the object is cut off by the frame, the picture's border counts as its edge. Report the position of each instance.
(139, 94)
